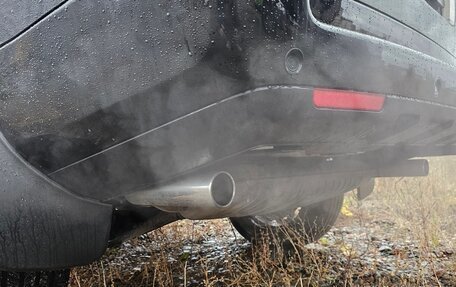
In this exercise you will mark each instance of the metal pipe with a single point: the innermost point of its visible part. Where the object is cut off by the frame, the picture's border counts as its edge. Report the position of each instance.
(219, 195)
(409, 168)
(205, 194)
(255, 191)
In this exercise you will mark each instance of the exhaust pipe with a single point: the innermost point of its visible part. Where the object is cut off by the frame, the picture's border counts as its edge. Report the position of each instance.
(220, 195)
(195, 198)
(252, 191)
(409, 168)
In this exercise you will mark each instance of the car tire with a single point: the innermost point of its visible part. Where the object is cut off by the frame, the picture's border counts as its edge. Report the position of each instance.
(35, 279)
(312, 222)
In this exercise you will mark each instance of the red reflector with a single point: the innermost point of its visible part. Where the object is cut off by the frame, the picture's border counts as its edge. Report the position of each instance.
(347, 100)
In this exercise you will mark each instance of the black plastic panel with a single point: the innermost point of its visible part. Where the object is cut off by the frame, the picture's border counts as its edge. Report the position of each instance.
(275, 115)
(42, 226)
(16, 15)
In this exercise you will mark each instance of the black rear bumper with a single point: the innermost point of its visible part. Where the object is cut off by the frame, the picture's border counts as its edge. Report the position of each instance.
(280, 116)
(91, 131)
(232, 101)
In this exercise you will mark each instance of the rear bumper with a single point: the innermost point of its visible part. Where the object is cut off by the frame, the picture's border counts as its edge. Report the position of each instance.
(418, 117)
(110, 134)
(42, 226)
(280, 116)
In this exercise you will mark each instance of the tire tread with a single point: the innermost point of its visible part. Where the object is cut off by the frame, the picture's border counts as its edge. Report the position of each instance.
(318, 220)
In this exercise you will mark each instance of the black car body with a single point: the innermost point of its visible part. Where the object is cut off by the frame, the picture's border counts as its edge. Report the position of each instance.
(101, 100)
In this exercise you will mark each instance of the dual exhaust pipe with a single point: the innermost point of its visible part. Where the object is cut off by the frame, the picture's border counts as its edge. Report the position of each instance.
(220, 194)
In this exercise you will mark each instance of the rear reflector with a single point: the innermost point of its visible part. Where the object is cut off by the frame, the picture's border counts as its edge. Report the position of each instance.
(347, 100)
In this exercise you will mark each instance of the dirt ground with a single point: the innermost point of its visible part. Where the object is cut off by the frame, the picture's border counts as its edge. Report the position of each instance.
(402, 235)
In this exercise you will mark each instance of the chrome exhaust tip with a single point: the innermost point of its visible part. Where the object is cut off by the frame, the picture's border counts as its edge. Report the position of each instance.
(223, 189)
(204, 196)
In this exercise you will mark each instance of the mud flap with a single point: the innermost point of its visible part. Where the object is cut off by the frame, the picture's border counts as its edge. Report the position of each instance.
(43, 226)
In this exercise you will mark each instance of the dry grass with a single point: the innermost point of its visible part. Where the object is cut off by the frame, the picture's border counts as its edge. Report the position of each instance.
(403, 235)
(426, 206)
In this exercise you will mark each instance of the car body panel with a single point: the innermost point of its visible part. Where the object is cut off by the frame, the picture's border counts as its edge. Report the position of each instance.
(421, 17)
(365, 19)
(17, 16)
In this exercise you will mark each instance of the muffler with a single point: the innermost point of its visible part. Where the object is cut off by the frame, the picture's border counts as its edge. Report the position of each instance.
(195, 197)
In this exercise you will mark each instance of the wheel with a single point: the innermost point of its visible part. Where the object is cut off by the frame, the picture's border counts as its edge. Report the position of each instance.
(311, 222)
(35, 279)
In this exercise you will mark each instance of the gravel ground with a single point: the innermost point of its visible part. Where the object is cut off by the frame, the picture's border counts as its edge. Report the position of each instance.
(361, 250)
